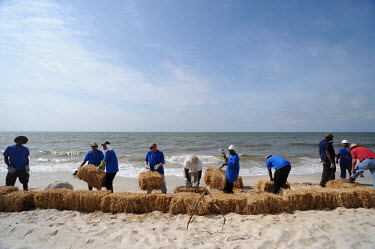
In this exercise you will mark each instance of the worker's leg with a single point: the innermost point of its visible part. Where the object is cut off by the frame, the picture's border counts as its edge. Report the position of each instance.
(90, 187)
(343, 170)
(109, 181)
(10, 179)
(283, 177)
(23, 177)
(164, 185)
(326, 174)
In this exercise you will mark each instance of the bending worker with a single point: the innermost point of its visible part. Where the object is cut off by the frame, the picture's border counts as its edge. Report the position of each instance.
(154, 160)
(110, 164)
(93, 156)
(16, 157)
(366, 159)
(232, 170)
(282, 168)
(192, 171)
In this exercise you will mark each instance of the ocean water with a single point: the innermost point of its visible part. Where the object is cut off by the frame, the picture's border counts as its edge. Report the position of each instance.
(64, 151)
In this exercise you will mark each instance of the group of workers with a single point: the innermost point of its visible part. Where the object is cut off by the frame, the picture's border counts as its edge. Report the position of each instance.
(16, 157)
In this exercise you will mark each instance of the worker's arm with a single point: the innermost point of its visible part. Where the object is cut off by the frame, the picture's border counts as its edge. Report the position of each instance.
(332, 160)
(354, 163)
(6, 160)
(83, 163)
(102, 165)
(187, 175)
(270, 174)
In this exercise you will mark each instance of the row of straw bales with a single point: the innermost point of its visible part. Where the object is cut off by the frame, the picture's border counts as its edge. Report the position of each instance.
(216, 179)
(315, 198)
(92, 176)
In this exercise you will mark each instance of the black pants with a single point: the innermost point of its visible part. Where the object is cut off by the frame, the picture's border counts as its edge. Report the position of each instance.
(280, 177)
(229, 187)
(90, 187)
(109, 181)
(22, 175)
(328, 173)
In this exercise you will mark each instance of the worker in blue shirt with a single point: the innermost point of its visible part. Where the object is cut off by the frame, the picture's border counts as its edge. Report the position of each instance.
(232, 170)
(110, 164)
(16, 157)
(282, 168)
(94, 157)
(345, 159)
(154, 160)
(327, 155)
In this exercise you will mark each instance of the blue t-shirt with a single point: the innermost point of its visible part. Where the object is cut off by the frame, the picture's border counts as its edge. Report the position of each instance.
(111, 159)
(154, 158)
(277, 162)
(94, 157)
(345, 156)
(18, 156)
(233, 168)
(324, 146)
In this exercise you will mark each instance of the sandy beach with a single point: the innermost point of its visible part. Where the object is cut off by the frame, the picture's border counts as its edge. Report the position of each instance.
(339, 228)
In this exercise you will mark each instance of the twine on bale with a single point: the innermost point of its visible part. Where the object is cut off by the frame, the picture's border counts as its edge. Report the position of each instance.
(150, 180)
(205, 192)
(182, 189)
(92, 176)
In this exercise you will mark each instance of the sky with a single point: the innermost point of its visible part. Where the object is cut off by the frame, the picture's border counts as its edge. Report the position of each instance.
(187, 65)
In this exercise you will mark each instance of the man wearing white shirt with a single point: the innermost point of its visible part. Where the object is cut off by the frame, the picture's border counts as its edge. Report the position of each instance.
(193, 171)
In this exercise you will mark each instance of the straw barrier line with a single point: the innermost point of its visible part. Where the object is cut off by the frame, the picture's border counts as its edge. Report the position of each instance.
(314, 198)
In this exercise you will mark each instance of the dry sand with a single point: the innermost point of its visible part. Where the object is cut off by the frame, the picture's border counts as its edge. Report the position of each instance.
(339, 228)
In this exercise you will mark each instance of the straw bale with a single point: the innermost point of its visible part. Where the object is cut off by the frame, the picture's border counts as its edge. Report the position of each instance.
(341, 183)
(215, 178)
(52, 199)
(136, 203)
(85, 200)
(92, 176)
(181, 189)
(227, 203)
(150, 180)
(266, 203)
(268, 186)
(300, 199)
(183, 203)
(17, 201)
(7, 189)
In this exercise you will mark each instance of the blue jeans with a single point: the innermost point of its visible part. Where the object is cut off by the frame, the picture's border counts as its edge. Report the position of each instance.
(368, 164)
(345, 166)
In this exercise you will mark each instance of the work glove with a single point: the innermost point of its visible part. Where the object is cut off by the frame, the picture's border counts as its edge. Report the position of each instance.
(101, 166)
(11, 169)
(220, 167)
(147, 167)
(157, 166)
(222, 152)
(27, 168)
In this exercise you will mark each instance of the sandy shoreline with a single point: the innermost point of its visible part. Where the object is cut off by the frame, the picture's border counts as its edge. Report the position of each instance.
(339, 228)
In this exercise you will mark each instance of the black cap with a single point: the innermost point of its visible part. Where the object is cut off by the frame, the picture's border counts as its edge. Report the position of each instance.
(22, 139)
(106, 142)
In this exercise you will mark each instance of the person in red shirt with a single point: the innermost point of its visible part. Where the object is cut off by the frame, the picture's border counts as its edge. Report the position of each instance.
(366, 159)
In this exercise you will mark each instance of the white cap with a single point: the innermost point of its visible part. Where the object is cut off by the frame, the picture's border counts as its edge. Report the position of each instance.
(345, 142)
(231, 147)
